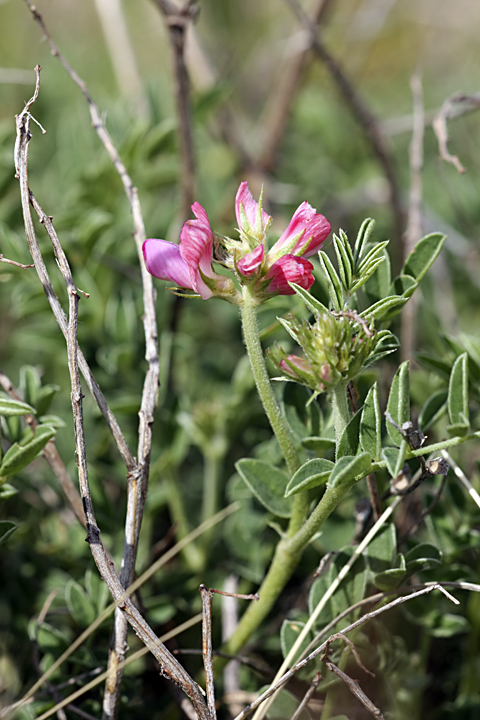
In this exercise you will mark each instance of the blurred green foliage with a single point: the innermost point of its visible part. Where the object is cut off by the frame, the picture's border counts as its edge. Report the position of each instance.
(429, 652)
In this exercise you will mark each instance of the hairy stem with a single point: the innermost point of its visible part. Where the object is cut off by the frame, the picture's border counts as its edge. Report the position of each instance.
(262, 381)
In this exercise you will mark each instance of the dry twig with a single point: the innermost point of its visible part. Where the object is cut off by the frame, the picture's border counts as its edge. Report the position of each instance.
(169, 664)
(321, 649)
(413, 233)
(178, 20)
(449, 110)
(137, 471)
(371, 126)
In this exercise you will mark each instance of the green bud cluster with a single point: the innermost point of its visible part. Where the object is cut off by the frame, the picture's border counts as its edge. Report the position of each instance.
(336, 348)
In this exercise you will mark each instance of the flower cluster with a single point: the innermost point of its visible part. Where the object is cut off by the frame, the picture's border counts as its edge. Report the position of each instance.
(268, 273)
(336, 347)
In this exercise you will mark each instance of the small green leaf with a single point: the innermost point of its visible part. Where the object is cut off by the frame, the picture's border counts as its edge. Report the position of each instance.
(19, 456)
(386, 308)
(289, 633)
(11, 408)
(284, 706)
(349, 469)
(333, 281)
(423, 255)
(29, 383)
(403, 285)
(319, 444)
(392, 578)
(348, 444)
(433, 409)
(267, 483)
(423, 557)
(382, 550)
(7, 490)
(398, 404)
(79, 604)
(44, 398)
(432, 363)
(378, 285)
(395, 458)
(7, 527)
(312, 474)
(371, 425)
(314, 305)
(458, 397)
(343, 261)
(363, 237)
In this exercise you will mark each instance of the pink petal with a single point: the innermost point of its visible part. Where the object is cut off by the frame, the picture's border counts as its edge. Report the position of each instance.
(250, 263)
(250, 207)
(290, 269)
(313, 224)
(163, 260)
(196, 248)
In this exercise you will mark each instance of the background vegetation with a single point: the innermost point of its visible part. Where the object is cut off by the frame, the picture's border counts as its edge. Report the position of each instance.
(238, 55)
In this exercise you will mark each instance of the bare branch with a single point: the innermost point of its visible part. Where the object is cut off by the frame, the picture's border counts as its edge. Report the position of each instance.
(177, 20)
(371, 126)
(138, 472)
(355, 689)
(283, 93)
(448, 111)
(12, 262)
(319, 650)
(207, 648)
(170, 666)
(413, 233)
(308, 696)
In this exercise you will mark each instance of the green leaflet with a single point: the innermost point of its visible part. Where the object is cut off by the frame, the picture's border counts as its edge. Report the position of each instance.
(363, 237)
(349, 469)
(12, 408)
(398, 404)
(7, 527)
(267, 483)
(333, 281)
(458, 397)
(79, 604)
(19, 456)
(423, 256)
(312, 474)
(433, 409)
(371, 425)
(348, 444)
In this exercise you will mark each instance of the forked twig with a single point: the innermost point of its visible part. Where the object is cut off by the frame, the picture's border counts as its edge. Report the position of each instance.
(371, 126)
(308, 696)
(450, 110)
(137, 471)
(321, 649)
(178, 19)
(169, 664)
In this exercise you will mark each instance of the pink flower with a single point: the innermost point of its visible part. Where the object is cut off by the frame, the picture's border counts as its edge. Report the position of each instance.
(289, 269)
(307, 229)
(247, 211)
(249, 264)
(184, 264)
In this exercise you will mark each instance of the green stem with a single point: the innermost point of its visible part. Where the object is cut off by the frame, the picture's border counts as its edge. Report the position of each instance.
(300, 530)
(262, 381)
(283, 564)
